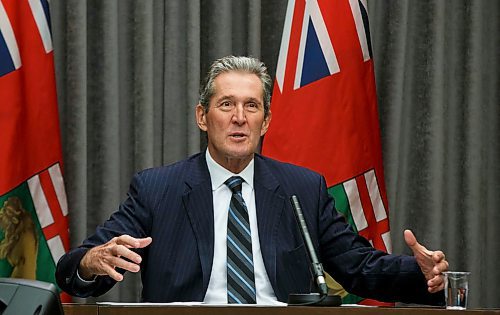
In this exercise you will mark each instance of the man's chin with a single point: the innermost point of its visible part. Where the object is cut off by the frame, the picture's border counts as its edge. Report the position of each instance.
(239, 150)
(240, 155)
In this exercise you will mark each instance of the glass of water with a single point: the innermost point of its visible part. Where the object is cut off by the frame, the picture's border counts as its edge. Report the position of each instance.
(456, 289)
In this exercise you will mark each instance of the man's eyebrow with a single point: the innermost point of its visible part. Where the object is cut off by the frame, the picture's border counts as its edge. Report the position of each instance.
(224, 97)
(253, 99)
(231, 97)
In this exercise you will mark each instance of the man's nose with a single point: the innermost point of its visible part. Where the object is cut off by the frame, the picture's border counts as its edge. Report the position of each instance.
(239, 114)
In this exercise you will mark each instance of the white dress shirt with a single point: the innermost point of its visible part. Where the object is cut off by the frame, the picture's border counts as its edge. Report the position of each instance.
(217, 287)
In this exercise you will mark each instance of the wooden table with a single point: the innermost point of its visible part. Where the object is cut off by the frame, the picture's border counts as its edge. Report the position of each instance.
(100, 309)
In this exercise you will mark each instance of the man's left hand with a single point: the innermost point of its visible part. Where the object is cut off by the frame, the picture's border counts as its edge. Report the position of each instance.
(432, 263)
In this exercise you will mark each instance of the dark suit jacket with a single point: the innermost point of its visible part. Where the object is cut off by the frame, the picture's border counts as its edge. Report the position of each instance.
(173, 205)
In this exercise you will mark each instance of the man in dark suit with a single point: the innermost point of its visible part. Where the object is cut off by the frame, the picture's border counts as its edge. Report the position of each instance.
(218, 227)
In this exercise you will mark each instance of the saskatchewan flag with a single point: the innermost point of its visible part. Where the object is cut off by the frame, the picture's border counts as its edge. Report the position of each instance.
(325, 112)
(33, 207)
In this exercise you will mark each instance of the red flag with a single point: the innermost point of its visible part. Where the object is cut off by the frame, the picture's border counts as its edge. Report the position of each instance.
(324, 109)
(32, 197)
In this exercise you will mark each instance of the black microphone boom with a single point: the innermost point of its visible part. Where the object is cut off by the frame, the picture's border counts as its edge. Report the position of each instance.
(316, 266)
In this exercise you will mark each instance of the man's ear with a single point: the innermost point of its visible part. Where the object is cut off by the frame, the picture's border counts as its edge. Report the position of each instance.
(265, 124)
(201, 118)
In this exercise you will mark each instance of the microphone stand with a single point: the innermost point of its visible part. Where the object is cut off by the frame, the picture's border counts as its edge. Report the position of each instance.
(318, 299)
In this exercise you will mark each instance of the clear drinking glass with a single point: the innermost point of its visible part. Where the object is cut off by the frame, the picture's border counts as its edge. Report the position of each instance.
(456, 289)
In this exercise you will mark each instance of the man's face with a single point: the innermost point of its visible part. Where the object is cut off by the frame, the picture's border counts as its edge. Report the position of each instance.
(235, 120)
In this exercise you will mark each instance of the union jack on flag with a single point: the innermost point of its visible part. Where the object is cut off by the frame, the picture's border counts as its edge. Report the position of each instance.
(33, 207)
(325, 114)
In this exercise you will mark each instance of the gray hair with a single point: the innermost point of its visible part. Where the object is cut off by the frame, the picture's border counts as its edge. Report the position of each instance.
(232, 63)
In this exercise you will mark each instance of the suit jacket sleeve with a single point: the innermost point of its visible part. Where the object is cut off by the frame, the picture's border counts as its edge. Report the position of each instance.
(131, 218)
(363, 270)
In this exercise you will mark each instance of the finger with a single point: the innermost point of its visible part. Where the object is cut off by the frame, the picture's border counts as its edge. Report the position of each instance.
(133, 242)
(440, 287)
(440, 267)
(435, 281)
(436, 284)
(122, 251)
(110, 271)
(435, 289)
(438, 256)
(127, 240)
(415, 246)
(117, 262)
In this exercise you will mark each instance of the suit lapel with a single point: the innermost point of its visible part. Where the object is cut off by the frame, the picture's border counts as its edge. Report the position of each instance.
(197, 200)
(270, 204)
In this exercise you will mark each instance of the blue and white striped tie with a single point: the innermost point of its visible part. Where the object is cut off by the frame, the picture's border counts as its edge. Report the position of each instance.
(240, 274)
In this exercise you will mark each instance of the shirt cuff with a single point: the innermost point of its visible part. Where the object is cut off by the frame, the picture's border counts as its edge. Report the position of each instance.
(83, 282)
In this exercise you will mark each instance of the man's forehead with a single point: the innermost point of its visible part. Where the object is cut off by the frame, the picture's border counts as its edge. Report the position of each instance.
(242, 73)
(230, 83)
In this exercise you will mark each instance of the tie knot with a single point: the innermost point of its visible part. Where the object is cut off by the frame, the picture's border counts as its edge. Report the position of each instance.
(234, 183)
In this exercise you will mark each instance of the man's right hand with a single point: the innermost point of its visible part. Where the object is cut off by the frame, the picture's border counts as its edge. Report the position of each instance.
(103, 259)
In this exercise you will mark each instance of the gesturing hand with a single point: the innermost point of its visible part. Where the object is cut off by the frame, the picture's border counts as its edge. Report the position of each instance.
(432, 263)
(103, 259)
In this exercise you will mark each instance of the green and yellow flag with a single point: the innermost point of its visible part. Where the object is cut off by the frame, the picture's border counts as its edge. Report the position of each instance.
(33, 208)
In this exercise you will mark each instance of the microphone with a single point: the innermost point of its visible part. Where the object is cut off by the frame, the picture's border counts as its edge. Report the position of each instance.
(321, 299)
(316, 266)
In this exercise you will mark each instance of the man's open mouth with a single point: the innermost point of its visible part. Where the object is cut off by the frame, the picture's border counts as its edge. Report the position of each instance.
(238, 135)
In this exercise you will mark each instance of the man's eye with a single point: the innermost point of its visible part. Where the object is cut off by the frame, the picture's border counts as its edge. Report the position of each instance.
(225, 104)
(252, 106)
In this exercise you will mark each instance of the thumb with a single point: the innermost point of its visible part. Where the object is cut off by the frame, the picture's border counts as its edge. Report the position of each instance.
(415, 246)
(410, 239)
(143, 242)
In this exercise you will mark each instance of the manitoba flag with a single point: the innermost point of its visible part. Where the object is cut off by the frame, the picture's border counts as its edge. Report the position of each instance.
(325, 114)
(33, 207)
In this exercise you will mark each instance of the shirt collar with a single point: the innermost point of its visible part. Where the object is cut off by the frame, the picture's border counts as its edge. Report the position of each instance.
(218, 174)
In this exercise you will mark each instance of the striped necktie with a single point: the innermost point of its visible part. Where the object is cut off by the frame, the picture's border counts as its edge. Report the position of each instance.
(240, 275)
